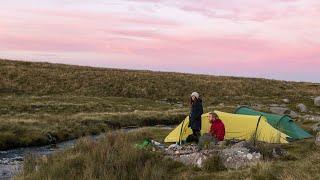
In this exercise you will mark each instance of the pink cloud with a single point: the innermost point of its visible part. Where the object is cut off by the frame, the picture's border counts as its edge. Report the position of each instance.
(217, 37)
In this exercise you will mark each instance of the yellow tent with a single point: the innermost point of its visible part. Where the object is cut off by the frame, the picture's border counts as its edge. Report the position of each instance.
(237, 127)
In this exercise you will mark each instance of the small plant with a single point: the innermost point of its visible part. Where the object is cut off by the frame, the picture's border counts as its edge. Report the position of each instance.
(214, 163)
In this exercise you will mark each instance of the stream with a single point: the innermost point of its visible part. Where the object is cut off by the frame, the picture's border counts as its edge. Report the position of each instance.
(11, 161)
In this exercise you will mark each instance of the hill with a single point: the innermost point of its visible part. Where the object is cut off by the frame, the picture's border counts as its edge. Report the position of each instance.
(39, 79)
(41, 100)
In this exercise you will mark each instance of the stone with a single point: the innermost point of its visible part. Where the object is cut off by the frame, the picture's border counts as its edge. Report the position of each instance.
(317, 140)
(257, 106)
(286, 101)
(317, 101)
(184, 149)
(311, 118)
(278, 152)
(239, 157)
(279, 110)
(241, 144)
(221, 104)
(194, 159)
(316, 127)
(283, 111)
(293, 114)
(179, 105)
(302, 108)
(274, 105)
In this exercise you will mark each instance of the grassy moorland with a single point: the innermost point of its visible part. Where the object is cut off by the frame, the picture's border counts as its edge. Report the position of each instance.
(115, 157)
(42, 100)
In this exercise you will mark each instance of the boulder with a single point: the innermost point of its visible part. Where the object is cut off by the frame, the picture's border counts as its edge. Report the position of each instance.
(237, 158)
(317, 141)
(195, 159)
(279, 110)
(283, 111)
(302, 108)
(189, 154)
(317, 101)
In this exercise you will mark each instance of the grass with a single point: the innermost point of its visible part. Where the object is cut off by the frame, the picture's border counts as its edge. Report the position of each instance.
(115, 157)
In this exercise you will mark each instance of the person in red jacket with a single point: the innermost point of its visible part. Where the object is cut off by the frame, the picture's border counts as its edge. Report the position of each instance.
(217, 129)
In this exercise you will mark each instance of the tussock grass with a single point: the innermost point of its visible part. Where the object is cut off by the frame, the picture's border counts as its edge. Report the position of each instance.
(116, 158)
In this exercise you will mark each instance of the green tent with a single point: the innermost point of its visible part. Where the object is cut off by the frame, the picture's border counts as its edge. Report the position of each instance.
(283, 123)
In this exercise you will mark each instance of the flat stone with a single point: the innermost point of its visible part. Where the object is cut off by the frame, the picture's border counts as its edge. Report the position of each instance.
(316, 127)
(317, 101)
(286, 100)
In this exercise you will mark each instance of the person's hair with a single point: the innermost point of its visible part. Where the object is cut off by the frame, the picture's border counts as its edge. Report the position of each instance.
(214, 114)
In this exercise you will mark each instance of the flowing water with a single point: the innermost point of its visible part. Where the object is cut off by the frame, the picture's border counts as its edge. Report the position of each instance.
(11, 161)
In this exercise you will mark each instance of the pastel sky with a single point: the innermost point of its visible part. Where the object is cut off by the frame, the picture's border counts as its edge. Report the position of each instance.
(278, 39)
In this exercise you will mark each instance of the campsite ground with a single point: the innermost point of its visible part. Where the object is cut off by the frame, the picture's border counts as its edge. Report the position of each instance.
(42, 102)
(115, 157)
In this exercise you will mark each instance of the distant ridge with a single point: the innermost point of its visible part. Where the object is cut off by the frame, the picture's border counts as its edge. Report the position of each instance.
(35, 78)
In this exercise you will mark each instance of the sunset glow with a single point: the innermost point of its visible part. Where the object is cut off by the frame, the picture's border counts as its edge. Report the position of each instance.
(277, 39)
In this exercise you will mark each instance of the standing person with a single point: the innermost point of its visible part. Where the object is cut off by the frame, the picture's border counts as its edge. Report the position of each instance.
(195, 116)
(217, 129)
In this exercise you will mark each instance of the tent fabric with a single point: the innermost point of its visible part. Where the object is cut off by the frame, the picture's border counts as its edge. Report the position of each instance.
(283, 123)
(237, 127)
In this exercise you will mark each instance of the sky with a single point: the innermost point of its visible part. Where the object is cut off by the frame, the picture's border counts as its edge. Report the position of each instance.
(277, 39)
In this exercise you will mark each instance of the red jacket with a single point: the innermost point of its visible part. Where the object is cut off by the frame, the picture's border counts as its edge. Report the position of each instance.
(217, 129)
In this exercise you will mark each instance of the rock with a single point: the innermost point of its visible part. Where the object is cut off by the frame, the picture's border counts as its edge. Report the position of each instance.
(316, 127)
(283, 111)
(317, 141)
(236, 158)
(278, 152)
(184, 149)
(286, 101)
(274, 105)
(221, 105)
(312, 118)
(179, 105)
(302, 108)
(195, 159)
(257, 106)
(293, 114)
(241, 144)
(317, 101)
(174, 147)
(279, 110)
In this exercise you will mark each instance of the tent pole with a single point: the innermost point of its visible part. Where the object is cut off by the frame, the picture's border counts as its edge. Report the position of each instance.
(255, 133)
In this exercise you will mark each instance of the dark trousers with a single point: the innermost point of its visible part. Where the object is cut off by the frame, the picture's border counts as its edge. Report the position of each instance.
(194, 137)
